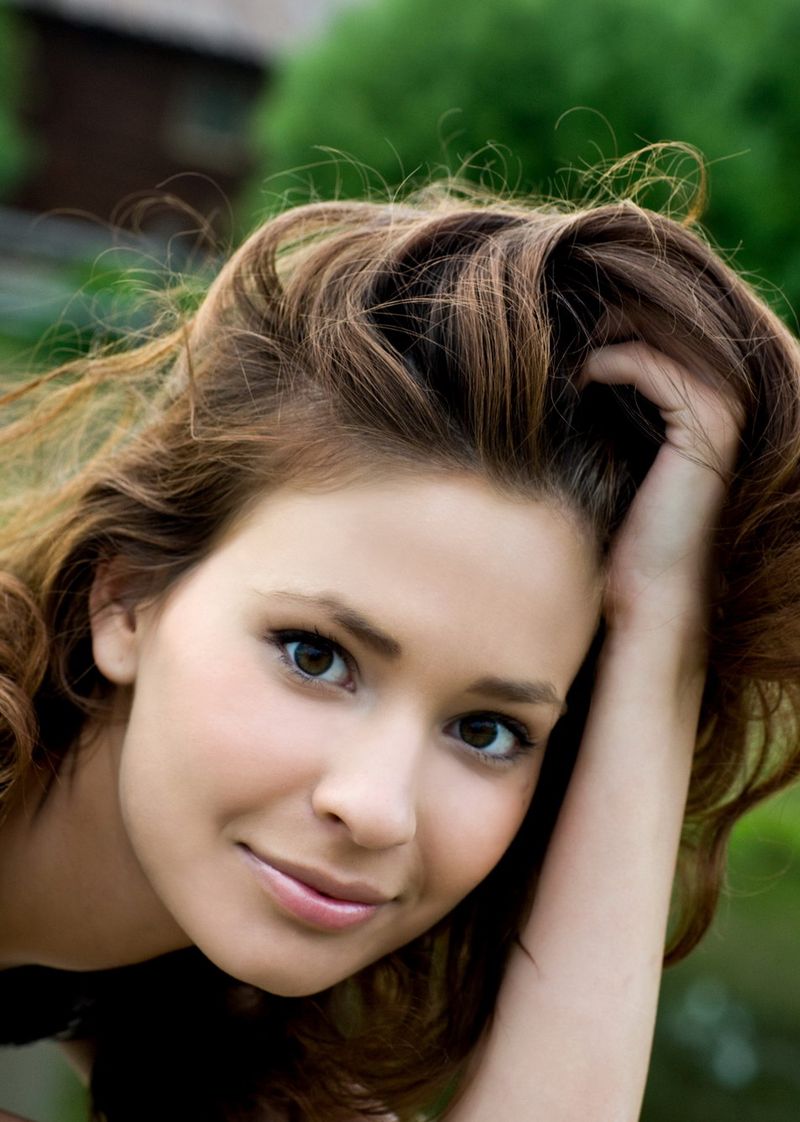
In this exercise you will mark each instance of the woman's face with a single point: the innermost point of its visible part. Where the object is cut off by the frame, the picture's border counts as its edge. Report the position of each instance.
(338, 718)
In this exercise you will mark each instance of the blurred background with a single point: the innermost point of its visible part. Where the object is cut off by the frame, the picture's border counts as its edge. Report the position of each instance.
(139, 139)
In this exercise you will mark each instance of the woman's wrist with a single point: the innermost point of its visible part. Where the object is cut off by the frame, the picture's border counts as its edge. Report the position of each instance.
(664, 646)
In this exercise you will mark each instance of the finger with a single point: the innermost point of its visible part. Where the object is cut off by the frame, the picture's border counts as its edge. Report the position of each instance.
(700, 417)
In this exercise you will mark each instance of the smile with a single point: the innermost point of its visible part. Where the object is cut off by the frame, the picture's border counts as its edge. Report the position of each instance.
(314, 897)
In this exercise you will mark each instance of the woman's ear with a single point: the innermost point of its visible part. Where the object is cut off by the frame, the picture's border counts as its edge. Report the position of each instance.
(113, 620)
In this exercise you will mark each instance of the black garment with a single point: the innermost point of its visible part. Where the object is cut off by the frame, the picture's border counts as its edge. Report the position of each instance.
(37, 1002)
(177, 1040)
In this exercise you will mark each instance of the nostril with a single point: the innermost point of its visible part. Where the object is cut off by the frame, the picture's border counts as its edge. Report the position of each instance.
(372, 819)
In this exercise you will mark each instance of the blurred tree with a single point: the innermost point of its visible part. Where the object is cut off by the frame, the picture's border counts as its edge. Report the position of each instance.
(15, 149)
(406, 87)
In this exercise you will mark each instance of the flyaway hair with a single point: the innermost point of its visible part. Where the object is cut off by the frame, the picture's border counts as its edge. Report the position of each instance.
(348, 340)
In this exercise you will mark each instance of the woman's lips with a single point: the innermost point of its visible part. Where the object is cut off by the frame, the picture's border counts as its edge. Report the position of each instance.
(315, 897)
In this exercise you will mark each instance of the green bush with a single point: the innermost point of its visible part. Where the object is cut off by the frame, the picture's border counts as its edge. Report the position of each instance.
(15, 148)
(406, 87)
(728, 1037)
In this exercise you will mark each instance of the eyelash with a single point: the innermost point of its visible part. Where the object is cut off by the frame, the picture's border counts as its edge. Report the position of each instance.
(279, 640)
(523, 744)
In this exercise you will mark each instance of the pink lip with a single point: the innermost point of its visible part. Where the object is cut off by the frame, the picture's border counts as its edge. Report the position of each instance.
(315, 897)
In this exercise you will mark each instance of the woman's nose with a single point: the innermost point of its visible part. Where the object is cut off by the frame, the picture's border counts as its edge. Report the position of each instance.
(370, 788)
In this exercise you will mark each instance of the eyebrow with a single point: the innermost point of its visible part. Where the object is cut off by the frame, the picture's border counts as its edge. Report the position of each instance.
(349, 619)
(385, 645)
(530, 693)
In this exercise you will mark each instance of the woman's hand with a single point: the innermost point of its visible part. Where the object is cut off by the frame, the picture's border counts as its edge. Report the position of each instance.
(659, 569)
(574, 1021)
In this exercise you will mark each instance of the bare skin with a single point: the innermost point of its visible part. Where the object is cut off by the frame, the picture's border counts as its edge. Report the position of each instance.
(359, 770)
(575, 1015)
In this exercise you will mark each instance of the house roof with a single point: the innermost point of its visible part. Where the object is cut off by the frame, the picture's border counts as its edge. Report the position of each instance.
(249, 29)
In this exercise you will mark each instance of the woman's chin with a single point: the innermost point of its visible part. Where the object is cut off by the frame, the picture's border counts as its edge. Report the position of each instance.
(297, 977)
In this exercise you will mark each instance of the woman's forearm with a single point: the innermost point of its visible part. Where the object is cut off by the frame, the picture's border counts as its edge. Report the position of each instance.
(573, 1029)
(574, 1022)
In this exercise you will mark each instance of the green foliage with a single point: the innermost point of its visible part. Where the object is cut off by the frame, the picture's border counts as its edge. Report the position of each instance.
(15, 149)
(728, 1036)
(115, 298)
(402, 88)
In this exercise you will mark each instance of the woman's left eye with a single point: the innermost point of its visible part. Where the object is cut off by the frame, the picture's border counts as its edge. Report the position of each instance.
(496, 738)
(313, 657)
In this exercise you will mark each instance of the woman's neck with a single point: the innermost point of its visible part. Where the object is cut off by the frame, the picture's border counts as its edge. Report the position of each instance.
(72, 893)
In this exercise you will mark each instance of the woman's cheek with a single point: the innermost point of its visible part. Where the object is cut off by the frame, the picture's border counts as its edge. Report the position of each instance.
(477, 819)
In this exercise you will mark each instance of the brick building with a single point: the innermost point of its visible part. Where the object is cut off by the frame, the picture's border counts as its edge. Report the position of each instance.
(128, 95)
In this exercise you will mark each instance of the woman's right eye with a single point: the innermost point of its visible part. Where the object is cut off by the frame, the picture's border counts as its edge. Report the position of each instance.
(313, 657)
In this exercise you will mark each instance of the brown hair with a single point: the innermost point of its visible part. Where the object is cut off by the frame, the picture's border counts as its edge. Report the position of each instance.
(443, 333)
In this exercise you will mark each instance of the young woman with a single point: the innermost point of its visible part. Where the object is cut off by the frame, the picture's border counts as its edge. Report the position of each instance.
(293, 599)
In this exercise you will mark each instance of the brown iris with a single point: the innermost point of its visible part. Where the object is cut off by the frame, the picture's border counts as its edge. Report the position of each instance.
(312, 659)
